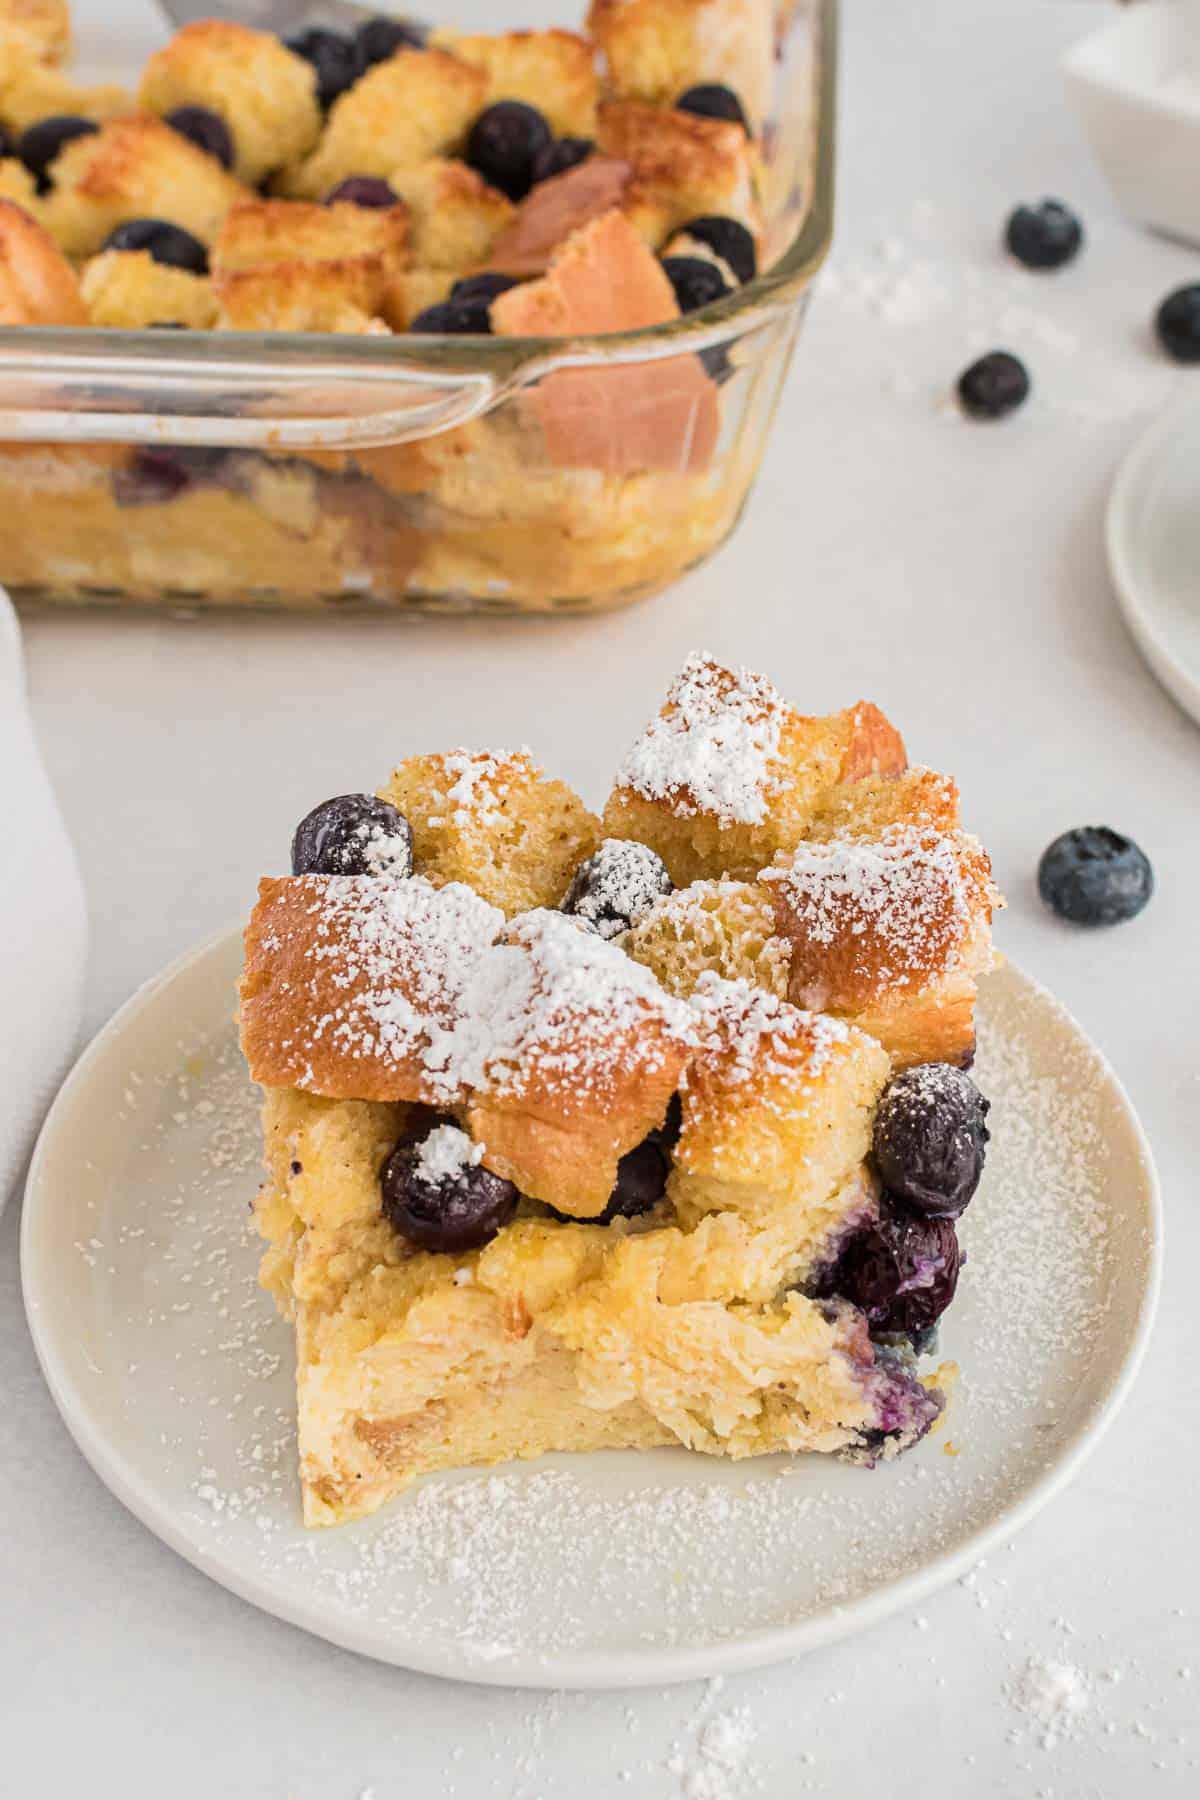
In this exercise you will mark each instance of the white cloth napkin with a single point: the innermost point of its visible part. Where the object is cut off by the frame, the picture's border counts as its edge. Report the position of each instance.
(43, 924)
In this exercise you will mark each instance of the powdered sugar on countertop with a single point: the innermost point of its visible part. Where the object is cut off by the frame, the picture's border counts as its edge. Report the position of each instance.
(711, 748)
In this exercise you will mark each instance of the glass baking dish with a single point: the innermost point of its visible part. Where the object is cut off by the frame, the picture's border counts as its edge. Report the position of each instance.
(411, 472)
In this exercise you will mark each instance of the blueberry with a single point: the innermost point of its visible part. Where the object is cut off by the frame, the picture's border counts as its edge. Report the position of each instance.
(168, 244)
(484, 286)
(696, 281)
(993, 386)
(454, 318)
(728, 239)
(353, 834)
(930, 1137)
(668, 1132)
(557, 157)
(1094, 876)
(1044, 236)
(902, 1271)
(7, 147)
(39, 144)
(378, 39)
(363, 190)
(1177, 323)
(617, 886)
(438, 1200)
(712, 100)
(207, 130)
(151, 477)
(333, 57)
(504, 143)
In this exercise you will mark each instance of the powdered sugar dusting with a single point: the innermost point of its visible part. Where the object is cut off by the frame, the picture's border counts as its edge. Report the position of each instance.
(476, 794)
(743, 1024)
(445, 1153)
(1055, 1695)
(711, 748)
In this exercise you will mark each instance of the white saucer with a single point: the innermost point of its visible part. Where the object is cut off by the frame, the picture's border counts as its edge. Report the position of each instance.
(174, 1375)
(1153, 537)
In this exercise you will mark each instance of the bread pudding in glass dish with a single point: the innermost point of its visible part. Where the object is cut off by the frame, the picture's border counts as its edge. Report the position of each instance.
(646, 1128)
(414, 319)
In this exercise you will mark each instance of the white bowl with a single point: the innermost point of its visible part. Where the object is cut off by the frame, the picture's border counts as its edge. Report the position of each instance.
(1136, 88)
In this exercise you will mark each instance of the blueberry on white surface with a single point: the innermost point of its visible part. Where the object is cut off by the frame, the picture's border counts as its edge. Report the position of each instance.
(1094, 876)
(1177, 323)
(1044, 236)
(994, 385)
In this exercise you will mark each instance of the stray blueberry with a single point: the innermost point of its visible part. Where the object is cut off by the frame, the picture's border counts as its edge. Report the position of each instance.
(454, 318)
(353, 834)
(1044, 236)
(930, 1138)
(617, 886)
(1094, 876)
(378, 39)
(712, 100)
(334, 59)
(993, 386)
(484, 286)
(363, 190)
(696, 281)
(902, 1271)
(207, 130)
(557, 157)
(168, 244)
(503, 144)
(39, 144)
(434, 1195)
(1177, 323)
(728, 239)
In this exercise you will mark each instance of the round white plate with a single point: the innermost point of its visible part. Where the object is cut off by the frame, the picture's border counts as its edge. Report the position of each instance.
(618, 1569)
(1153, 537)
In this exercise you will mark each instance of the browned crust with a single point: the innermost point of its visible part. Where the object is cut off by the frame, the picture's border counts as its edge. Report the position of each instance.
(37, 284)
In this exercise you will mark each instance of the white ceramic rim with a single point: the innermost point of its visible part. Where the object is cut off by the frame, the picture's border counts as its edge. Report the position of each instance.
(578, 1669)
(1155, 649)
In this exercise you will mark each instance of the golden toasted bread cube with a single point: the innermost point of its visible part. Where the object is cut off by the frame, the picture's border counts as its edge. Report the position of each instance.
(724, 928)
(864, 808)
(31, 88)
(417, 104)
(656, 49)
(552, 70)
(494, 821)
(128, 290)
(288, 265)
(729, 775)
(777, 1115)
(266, 94)
(37, 284)
(46, 24)
(134, 168)
(456, 215)
(683, 166)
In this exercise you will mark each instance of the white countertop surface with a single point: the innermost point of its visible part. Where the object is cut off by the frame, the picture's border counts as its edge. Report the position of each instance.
(953, 573)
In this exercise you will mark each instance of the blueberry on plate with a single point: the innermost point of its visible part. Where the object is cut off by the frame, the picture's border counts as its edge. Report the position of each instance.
(484, 286)
(455, 318)
(930, 1138)
(363, 190)
(617, 886)
(168, 244)
(728, 239)
(207, 130)
(353, 834)
(562, 154)
(696, 281)
(378, 39)
(334, 59)
(712, 100)
(1094, 876)
(1177, 323)
(437, 1194)
(994, 386)
(39, 144)
(504, 143)
(902, 1271)
(1044, 236)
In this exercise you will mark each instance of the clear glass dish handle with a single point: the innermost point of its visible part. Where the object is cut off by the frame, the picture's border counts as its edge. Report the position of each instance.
(56, 388)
